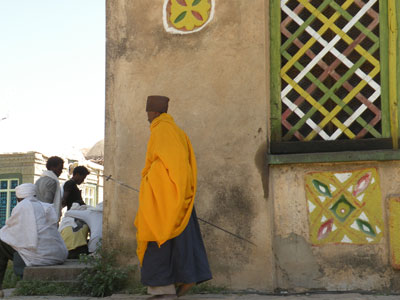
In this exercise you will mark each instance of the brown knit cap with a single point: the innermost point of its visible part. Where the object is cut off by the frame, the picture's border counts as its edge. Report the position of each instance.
(157, 104)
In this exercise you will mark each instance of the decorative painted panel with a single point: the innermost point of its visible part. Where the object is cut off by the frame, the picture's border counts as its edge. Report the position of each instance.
(187, 16)
(330, 70)
(344, 207)
(394, 231)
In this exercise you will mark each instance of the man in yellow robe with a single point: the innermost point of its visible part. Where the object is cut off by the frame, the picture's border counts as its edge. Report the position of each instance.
(169, 243)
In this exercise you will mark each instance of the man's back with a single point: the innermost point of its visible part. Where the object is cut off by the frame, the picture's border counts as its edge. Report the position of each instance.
(168, 184)
(94, 219)
(74, 194)
(46, 188)
(169, 243)
(50, 246)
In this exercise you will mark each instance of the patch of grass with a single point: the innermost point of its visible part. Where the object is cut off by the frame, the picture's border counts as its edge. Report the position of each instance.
(43, 288)
(10, 279)
(103, 276)
(136, 288)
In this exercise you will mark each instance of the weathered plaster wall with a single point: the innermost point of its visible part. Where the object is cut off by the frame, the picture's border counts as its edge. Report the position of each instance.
(334, 266)
(217, 81)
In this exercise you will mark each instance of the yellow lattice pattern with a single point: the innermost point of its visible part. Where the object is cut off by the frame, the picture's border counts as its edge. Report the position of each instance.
(341, 34)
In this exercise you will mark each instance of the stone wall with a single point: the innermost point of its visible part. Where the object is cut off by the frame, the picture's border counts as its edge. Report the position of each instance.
(217, 80)
(356, 260)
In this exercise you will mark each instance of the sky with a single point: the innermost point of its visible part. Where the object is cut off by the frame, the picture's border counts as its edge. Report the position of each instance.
(52, 75)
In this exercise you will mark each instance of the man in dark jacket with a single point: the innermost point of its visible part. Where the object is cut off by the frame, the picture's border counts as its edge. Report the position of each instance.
(71, 192)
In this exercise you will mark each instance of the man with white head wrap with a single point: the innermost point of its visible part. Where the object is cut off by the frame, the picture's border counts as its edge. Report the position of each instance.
(30, 235)
(25, 190)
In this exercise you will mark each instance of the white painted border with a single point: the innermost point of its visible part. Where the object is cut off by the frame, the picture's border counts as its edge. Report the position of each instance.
(176, 31)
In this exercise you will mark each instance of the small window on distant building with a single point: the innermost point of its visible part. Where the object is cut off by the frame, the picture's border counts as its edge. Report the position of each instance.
(8, 199)
(89, 195)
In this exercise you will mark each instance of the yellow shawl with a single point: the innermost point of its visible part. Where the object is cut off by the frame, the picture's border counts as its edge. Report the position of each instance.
(168, 185)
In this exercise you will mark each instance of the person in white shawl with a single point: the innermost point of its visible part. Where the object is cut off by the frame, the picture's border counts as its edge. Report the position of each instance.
(30, 235)
(93, 217)
(48, 185)
(74, 233)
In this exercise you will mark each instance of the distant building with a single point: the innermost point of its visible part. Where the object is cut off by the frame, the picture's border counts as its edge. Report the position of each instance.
(17, 168)
(96, 153)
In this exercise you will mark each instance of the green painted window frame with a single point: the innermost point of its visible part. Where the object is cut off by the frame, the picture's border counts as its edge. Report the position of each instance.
(12, 175)
(9, 177)
(386, 153)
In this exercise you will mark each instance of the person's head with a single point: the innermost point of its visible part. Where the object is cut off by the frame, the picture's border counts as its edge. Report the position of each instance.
(25, 190)
(55, 164)
(155, 106)
(79, 174)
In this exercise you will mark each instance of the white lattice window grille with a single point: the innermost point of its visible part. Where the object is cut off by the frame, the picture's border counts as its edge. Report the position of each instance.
(330, 76)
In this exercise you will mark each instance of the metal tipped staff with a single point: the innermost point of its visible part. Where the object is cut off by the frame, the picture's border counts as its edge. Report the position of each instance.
(109, 177)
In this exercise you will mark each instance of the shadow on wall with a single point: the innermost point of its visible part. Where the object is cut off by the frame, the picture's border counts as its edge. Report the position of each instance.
(261, 162)
(233, 210)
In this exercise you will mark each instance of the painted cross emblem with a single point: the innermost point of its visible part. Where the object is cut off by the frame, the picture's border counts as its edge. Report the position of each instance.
(187, 16)
(344, 207)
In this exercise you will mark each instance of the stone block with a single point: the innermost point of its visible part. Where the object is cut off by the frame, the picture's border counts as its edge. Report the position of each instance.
(67, 272)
